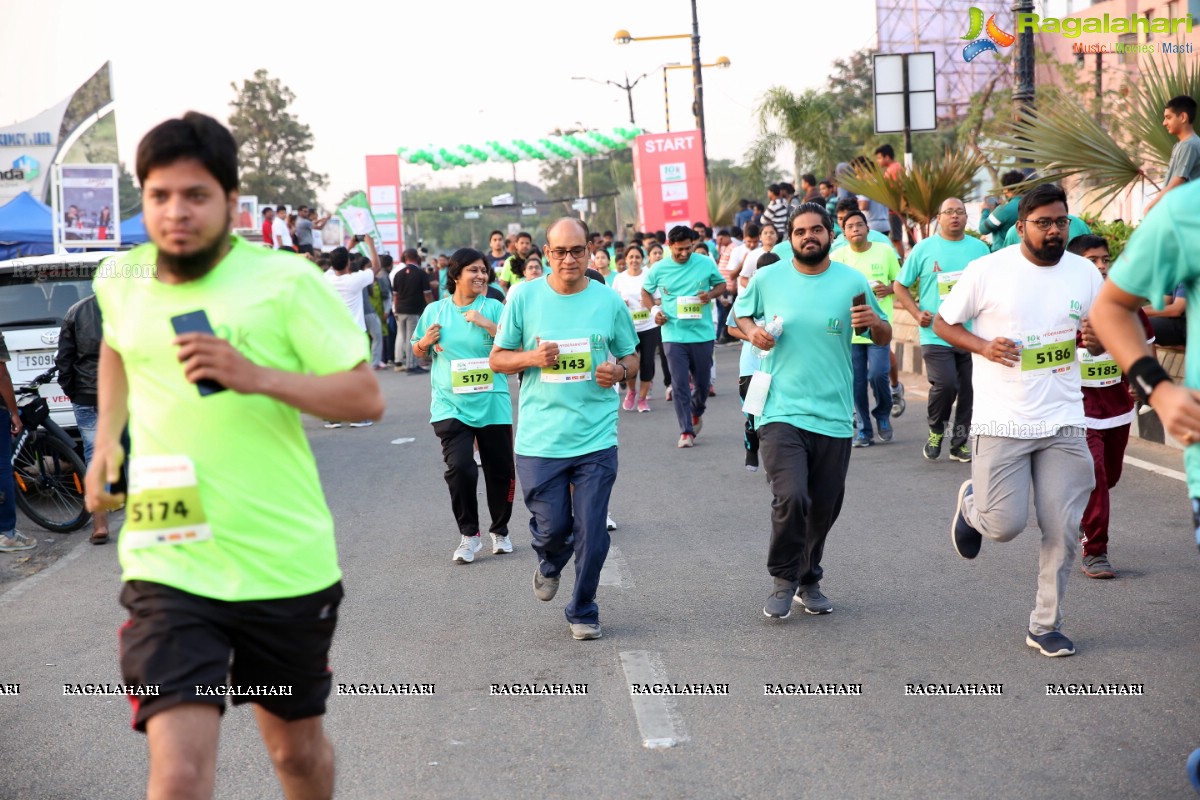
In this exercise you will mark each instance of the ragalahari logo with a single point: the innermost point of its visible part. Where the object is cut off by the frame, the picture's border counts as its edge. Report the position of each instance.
(27, 165)
(995, 36)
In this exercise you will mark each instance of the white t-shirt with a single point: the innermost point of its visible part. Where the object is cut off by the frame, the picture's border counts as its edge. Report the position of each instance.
(349, 287)
(737, 259)
(1006, 295)
(751, 265)
(279, 232)
(630, 289)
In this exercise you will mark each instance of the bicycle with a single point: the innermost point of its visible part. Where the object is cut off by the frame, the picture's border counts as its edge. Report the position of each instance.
(47, 471)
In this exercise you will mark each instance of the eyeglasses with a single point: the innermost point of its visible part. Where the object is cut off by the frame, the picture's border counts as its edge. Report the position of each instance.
(1044, 223)
(561, 253)
(954, 212)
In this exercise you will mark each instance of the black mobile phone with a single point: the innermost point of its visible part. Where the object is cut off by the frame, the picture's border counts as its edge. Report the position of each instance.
(197, 322)
(860, 299)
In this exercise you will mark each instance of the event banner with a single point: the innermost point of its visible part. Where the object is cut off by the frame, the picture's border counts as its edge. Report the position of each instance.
(356, 215)
(668, 177)
(87, 207)
(383, 197)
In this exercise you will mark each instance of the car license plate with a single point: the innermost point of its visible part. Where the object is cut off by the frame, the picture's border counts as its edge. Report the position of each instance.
(35, 361)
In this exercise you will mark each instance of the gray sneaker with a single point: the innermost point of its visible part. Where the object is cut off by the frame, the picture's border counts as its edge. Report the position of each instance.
(501, 544)
(544, 588)
(779, 604)
(15, 541)
(813, 601)
(585, 630)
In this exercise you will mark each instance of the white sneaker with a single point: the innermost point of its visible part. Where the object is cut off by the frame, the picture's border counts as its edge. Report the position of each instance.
(366, 423)
(478, 463)
(332, 424)
(612, 526)
(467, 548)
(500, 544)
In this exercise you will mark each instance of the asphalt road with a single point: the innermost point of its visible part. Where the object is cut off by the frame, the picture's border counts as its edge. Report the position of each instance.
(681, 603)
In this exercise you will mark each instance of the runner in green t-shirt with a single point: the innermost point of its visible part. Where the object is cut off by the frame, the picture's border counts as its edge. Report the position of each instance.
(509, 278)
(937, 263)
(688, 282)
(559, 331)
(805, 426)
(1161, 253)
(227, 551)
(469, 403)
(872, 363)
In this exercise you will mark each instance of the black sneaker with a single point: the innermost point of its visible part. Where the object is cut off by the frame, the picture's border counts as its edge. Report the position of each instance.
(1052, 644)
(961, 453)
(813, 601)
(779, 604)
(967, 540)
(933, 446)
(752, 460)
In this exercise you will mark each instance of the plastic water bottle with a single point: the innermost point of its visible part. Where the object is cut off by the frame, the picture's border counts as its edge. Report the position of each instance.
(775, 328)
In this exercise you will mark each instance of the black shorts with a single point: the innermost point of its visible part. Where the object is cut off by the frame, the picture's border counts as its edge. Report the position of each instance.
(271, 652)
(304, 248)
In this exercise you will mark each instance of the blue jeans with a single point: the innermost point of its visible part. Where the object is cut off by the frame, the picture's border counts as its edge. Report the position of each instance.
(694, 359)
(8, 487)
(85, 419)
(563, 523)
(872, 363)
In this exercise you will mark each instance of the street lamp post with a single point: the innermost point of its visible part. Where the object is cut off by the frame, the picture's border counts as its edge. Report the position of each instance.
(627, 87)
(720, 63)
(1024, 94)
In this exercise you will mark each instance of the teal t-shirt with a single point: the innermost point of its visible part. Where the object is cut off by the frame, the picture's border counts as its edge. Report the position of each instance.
(1160, 255)
(785, 252)
(841, 241)
(999, 222)
(938, 263)
(878, 263)
(699, 273)
(811, 372)
(461, 343)
(1078, 228)
(568, 415)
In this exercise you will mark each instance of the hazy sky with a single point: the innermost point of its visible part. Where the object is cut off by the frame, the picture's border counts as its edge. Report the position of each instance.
(371, 77)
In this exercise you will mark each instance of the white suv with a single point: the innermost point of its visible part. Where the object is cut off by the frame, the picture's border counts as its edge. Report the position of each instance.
(35, 293)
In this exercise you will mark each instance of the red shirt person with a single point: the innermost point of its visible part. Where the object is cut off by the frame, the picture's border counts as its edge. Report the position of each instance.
(268, 221)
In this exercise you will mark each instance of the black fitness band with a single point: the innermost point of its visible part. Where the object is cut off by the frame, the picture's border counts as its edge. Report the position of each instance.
(1145, 374)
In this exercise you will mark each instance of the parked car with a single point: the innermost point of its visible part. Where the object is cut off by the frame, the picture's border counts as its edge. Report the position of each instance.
(35, 293)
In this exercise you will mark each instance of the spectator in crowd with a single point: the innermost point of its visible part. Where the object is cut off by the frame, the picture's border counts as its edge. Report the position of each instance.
(744, 215)
(808, 185)
(776, 213)
(1170, 324)
(411, 292)
(268, 226)
(305, 225)
(1179, 118)
(281, 237)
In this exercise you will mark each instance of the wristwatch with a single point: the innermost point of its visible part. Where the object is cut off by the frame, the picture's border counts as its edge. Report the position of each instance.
(625, 377)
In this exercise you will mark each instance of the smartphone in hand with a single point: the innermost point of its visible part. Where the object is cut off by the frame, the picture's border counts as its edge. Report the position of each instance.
(197, 322)
(860, 299)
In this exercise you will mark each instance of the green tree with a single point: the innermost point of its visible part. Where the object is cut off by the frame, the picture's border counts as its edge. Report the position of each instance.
(128, 193)
(272, 143)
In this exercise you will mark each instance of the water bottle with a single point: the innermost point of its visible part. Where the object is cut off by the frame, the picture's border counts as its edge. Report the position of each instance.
(775, 328)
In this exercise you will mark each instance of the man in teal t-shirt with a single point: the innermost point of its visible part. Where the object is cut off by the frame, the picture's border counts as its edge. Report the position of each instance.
(805, 426)
(937, 262)
(559, 330)
(687, 281)
(872, 363)
(1002, 219)
(227, 553)
(1163, 252)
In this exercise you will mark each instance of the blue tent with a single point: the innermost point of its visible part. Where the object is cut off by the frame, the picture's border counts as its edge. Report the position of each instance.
(133, 231)
(25, 227)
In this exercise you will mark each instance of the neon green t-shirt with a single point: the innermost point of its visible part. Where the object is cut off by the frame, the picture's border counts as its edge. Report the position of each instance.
(564, 412)
(1078, 228)
(1160, 255)
(873, 236)
(464, 387)
(255, 479)
(878, 263)
(507, 275)
(811, 372)
(680, 284)
(938, 263)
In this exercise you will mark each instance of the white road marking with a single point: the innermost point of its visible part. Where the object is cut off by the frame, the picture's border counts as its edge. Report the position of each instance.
(1130, 460)
(654, 717)
(402, 441)
(616, 570)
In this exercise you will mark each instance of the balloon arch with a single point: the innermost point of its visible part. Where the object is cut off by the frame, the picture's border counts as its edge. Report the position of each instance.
(549, 148)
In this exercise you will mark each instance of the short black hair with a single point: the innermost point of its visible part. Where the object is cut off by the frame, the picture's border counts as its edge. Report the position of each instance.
(848, 204)
(743, 204)
(660, 237)
(855, 213)
(886, 150)
(339, 257)
(735, 232)
(1183, 105)
(1086, 241)
(681, 233)
(723, 232)
(773, 188)
(524, 235)
(1042, 195)
(385, 261)
(461, 259)
(759, 207)
(767, 259)
(280, 209)
(196, 136)
(608, 233)
(268, 210)
(495, 233)
(809, 178)
(810, 208)
(410, 256)
(1012, 177)
(826, 183)
(752, 230)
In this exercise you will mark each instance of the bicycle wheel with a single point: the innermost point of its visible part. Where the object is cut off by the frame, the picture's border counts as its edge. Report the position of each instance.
(49, 480)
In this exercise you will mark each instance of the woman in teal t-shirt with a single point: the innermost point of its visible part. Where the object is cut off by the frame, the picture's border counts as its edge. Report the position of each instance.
(469, 402)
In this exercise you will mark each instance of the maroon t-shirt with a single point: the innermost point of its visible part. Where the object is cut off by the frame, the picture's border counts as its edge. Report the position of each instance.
(1108, 402)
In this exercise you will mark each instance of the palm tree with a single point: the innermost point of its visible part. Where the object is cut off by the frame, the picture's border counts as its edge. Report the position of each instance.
(1062, 140)
(722, 201)
(922, 189)
(805, 121)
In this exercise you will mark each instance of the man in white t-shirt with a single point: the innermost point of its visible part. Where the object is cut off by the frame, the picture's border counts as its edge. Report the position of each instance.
(1028, 307)
(281, 237)
(349, 285)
